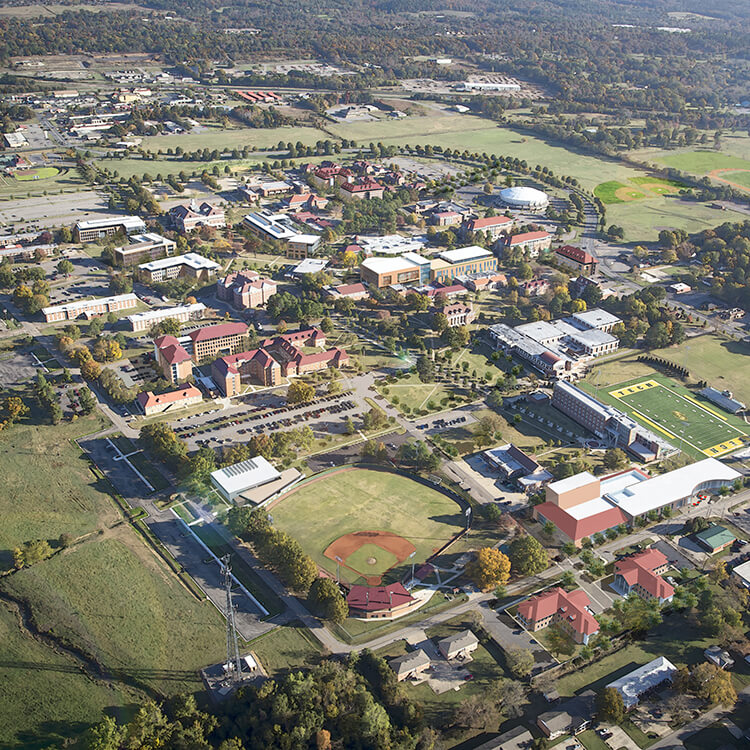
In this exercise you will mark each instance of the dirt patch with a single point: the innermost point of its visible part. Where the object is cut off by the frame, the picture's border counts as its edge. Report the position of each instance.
(346, 545)
(628, 194)
(717, 174)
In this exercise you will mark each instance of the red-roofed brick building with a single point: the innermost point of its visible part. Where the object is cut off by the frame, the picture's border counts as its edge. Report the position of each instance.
(458, 314)
(151, 403)
(380, 602)
(173, 359)
(641, 574)
(577, 259)
(362, 190)
(348, 291)
(577, 529)
(530, 242)
(210, 341)
(492, 225)
(245, 290)
(557, 607)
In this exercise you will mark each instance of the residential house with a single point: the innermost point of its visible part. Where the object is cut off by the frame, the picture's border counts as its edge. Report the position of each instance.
(410, 665)
(459, 646)
(572, 717)
(648, 679)
(718, 656)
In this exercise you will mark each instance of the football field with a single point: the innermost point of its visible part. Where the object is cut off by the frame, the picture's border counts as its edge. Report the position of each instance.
(683, 419)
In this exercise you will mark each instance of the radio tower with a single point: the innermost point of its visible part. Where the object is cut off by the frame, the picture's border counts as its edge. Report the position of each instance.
(234, 665)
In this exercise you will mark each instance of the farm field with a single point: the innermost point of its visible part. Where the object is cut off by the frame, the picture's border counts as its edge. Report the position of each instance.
(46, 699)
(685, 419)
(113, 598)
(363, 500)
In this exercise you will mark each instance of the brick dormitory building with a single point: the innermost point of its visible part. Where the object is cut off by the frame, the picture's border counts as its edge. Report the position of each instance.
(276, 358)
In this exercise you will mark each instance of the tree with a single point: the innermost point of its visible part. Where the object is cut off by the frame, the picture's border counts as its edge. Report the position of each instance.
(439, 322)
(568, 579)
(512, 696)
(13, 409)
(65, 267)
(489, 569)
(610, 706)
(349, 427)
(713, 684)
(527, 556)
(90, 369)
(30, 553)
(300, 392)
(327, 597)
(520, 661)
(202, 463)
(87, 400)
(614, 459)
(426, 369)
(167, 327)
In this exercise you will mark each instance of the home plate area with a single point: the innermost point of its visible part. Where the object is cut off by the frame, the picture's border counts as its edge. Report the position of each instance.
(370, 554)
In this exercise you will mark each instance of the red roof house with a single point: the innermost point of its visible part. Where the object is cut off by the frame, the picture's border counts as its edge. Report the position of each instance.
(382, 602)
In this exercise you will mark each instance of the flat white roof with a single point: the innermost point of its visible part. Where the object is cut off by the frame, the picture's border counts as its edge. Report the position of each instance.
(596, 318)
(460, 254)
(387, 265)
(743, 571)
(635, 684)
(589, 508)
(306, 239)
(166, 312)
(390, 244)
(621, 481)
(656, 492)
(271, 224)
(540, 330)
(152, 237)
(310, 265)
(86, 303)
(188, 259)
(420, 260)
(244, 475)
(130, 223)
(573, 483)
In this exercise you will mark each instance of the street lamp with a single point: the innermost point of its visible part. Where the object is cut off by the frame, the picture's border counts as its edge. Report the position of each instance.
(411, 557)
(338, 569)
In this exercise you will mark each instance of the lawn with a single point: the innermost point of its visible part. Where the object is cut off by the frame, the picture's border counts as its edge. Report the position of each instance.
(321, 511)
(675, 639)
(285, 649)
(48, 488)
(114, 599)
(685, 418)
(46, 698)
(701, 162)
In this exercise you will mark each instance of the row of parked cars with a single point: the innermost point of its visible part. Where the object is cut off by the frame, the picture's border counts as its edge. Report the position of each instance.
(442, 423)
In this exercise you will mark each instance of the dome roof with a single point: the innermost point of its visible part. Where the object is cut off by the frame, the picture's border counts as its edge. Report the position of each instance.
(522, 195)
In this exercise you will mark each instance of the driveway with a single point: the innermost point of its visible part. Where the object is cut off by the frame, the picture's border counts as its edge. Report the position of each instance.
(508, 638)
(620, 738)
(601, 597)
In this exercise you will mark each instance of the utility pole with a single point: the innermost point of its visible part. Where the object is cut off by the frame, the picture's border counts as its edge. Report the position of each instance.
(234, 665)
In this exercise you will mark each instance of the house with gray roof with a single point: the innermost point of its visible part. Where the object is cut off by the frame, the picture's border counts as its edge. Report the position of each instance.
(410, 665)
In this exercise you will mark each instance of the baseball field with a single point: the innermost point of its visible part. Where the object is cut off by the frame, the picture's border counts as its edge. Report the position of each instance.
(372, 521)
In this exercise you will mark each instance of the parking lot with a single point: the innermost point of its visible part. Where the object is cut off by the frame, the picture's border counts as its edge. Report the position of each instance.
(216, 427)
(55, 210)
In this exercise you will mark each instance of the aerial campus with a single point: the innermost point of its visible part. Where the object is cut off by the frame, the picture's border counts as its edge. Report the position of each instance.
(365, 383)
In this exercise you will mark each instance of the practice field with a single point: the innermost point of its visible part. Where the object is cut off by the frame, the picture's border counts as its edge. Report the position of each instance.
(40, 173)
(642, 188)
(372, 520)
(687, 421)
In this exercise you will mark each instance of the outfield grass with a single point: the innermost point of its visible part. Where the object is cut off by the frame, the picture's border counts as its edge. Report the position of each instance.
(685, 419)
(46, 699)
(700, 162)
(48, 488)
(741, 178)
(111, 597)
(366, 500)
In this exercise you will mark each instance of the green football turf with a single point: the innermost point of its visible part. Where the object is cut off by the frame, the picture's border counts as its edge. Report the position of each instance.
(701, 426)
(365, 500)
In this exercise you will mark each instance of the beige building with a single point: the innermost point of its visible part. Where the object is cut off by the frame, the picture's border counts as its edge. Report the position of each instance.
(151, 404)
(89, 308)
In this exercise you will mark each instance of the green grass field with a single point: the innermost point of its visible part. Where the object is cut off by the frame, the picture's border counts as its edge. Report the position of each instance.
(702, 162)
(47, 487)
(50, 179)
(741, 178)
(46, 699)
(218, 138)
(111, 597)
(365, 500)
(685, 419)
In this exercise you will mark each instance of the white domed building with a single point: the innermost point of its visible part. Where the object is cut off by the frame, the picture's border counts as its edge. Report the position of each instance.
(524, 198)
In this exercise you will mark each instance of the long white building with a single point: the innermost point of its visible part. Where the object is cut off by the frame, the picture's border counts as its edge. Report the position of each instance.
(144, 320)
(89, 308)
